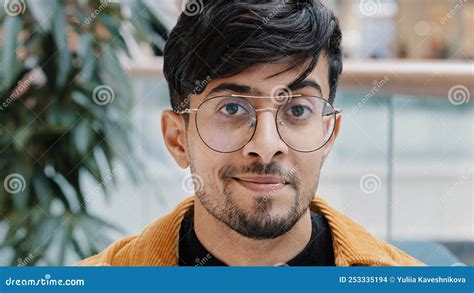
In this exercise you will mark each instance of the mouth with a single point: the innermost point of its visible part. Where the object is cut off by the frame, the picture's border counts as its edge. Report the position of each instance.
(261, 184)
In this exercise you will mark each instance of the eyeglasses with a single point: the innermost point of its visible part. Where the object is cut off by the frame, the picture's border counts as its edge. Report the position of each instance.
(227, 123)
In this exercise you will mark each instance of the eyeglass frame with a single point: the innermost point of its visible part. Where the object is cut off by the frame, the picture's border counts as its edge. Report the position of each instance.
(195, 110)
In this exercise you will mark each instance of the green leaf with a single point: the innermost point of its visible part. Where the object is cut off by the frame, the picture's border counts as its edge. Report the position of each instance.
(35, 215)
(68, 190)
(81, 99)
(58, 194)
(113, 75)
(64, 240)
(79, 250)
(114, 27)
(42, 11)
(22, 137)
(150, 21)
(21, 190)
(44, 231)
(96, 222)
(87, 56)
(61, 41)
(166, 21)
(93, 169)
(42, 190)
(86, 101)
(81, 136)
(12, 27)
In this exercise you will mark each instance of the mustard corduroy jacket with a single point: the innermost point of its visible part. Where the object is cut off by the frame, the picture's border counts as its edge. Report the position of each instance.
(158, 244)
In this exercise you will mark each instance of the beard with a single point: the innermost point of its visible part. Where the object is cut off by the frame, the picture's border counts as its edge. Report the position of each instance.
(258, 222)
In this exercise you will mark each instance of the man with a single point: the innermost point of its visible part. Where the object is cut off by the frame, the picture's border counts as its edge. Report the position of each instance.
(252, 85)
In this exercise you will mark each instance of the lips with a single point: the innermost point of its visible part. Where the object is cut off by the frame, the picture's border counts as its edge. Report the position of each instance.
(261, 183)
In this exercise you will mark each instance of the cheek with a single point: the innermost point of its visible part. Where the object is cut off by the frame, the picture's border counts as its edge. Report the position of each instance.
(197, 150)
(207, 164)
(204, 161)
(310, 167)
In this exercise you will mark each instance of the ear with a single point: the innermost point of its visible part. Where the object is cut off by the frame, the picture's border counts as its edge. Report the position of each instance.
(328, 147)
(173, 129)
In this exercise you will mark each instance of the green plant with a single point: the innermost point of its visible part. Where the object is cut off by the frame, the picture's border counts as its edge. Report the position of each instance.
(64, 105)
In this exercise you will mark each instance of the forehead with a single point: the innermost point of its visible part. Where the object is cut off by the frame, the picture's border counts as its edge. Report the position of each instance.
(262, 80)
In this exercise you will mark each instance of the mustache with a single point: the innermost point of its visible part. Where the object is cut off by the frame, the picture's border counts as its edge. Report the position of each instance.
(272, 168)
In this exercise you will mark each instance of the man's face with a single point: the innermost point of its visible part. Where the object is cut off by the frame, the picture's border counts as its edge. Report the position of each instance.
(244, 188)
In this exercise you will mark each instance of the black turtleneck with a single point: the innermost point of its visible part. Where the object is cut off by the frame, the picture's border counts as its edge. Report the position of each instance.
(318, 251)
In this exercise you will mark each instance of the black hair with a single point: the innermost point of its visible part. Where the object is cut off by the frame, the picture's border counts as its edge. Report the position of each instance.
(216, 39)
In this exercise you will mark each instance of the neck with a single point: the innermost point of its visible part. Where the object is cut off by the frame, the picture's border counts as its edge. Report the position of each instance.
(236, 250)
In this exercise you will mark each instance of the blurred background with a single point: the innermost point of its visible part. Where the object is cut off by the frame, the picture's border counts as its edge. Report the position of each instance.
(83, 162)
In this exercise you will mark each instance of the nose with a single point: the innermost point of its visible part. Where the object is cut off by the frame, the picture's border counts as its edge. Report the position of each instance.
(266, 142)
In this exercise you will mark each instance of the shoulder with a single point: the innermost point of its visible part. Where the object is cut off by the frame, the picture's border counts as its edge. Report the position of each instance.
(114, 255)
(354, 245)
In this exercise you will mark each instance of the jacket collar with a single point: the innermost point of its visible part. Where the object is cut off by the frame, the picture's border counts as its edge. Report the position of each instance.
(353, 244)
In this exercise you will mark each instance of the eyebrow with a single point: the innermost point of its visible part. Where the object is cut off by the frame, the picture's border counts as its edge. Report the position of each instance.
(234, 87)
(306, 83)
(244, 89)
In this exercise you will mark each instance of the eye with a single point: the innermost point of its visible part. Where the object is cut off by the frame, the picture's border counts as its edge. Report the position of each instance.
(298, 111)
(233, 109)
